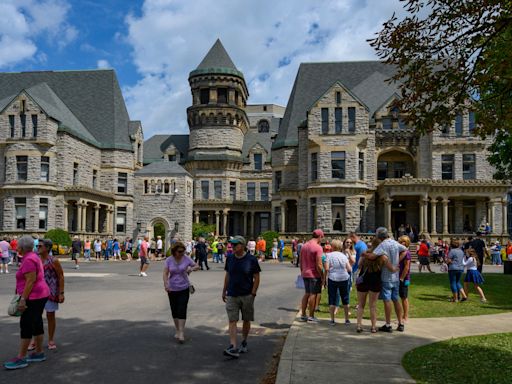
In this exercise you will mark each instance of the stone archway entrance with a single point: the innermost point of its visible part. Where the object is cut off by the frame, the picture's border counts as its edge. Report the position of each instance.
(160, 227)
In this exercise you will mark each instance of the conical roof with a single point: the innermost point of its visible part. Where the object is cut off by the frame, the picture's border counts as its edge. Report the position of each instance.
(217, 60)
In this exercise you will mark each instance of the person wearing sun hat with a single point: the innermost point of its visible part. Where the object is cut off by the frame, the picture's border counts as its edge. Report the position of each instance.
(241, 283)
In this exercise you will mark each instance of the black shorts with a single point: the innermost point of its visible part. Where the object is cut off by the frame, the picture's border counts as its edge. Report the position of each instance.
(423, 260)
(178, 300)
(313, 285)
(403, 290)
(31, 320)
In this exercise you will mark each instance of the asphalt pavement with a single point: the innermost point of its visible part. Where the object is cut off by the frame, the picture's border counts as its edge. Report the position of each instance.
(115, 328)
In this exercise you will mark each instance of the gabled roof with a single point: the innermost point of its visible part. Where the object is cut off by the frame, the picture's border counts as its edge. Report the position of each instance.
(156, 145)
(338, 83)
(314, 78)
(162, 168)
(252, 138)
(217, 60)
(93, 97)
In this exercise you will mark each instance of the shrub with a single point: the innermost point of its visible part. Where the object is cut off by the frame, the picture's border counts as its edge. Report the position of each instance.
(269, 237)
(287, 252)
(60, 238)
(202, 230)
(168, 253)
(135, 254)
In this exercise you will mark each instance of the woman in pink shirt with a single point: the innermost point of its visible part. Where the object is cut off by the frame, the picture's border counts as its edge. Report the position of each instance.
(34, 291)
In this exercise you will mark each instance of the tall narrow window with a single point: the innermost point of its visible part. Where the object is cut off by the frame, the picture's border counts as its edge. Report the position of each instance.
(338, 97)
(338, 213)
(277, 219)
(387, 123)
(20, 204)
(458, 125)
(398, 169)
(205, 189)
(338, 125)
(43, 213)
(258, 161)
(121, 220)
(34, 125)
(382, 170)
(45, 168)
(472, 122)
(167, 187)
(468, 166)
(23, 121)
(312, 213)
(338, 165)
(351, 119)
(122, 182)
(95, 179)
(217, 189)
(11, 124)
(362, 227)
(325, 120)
(204, 96)
(278, 179)
(146, 186)
(251, 191)
(361, 165)
(22, 167)
(75, 173)
(264, 191)
(314, 166)
(222, 95)
(232, 190)
(447, 167)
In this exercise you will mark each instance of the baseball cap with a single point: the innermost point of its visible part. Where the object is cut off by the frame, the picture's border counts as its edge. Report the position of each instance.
(237, 240)
(318, 233)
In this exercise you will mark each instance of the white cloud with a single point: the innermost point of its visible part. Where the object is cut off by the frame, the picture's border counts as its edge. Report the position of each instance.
(102, 64)
(25, 20)
(267, 40)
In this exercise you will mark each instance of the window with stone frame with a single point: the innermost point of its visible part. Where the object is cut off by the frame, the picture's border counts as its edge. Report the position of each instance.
(312, 214)
(362, 209)
(122, 182)
(11, 125)
(338, 97)
(251, 191)
(43, 213)
(387, 123)
(338, 213)
(222, 95)
(20, 205)
(232, 190)
(167, 187)
(468, 166)
(95, 179)
(204, 96)
(34, 125)
(325, 120)
(399, 169)
(258, 161)
(21, 168)
(217, 189)
(361, 166)
(277, 181)
(277, 219)
(263, 126)
(351, 119)
(23, 121)
(264, 191)
(264, 222)
(447, 167)
(472, 122)
(205, 189)
(146, 186)
(338, 165)
(75, 173)
(45, 169)
(458, 125)
(382, 170)
(314, 166)
(338, 120)
(121, 220)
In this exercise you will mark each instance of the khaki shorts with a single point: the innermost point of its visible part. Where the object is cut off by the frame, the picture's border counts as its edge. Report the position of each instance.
(237, 304)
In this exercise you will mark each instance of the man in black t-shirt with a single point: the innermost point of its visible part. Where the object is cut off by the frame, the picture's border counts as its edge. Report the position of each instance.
(479, 246)
(241, 283)
(201, 251)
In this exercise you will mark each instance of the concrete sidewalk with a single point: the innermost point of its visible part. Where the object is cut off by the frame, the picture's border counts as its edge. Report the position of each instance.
(320, 353)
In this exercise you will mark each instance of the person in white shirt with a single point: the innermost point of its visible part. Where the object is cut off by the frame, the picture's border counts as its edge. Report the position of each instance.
(159, 246)
(471, 263)
(337, 278)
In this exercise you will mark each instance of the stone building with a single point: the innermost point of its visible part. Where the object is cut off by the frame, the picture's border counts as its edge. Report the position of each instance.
(70, 157)
(228, 149)
(344, 160)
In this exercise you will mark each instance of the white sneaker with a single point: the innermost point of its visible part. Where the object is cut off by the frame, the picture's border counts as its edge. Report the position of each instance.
(77, 266)
(1, 271)
(6, 271)
(144, 274)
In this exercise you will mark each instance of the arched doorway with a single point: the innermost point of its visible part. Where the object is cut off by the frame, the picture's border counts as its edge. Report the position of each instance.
(395, 164)
(160, 227)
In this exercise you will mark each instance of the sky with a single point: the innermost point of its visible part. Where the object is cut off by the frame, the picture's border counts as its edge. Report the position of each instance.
(154, 44)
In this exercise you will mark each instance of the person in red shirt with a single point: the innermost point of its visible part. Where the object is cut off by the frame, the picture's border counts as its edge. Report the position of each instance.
(311, 272)
(14, 252)
(261, 247)
(423, 256)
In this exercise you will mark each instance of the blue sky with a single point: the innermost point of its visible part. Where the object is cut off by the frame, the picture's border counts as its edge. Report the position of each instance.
(154, 44)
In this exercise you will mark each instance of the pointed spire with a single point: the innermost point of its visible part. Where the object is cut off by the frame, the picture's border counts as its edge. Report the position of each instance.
(217, 57)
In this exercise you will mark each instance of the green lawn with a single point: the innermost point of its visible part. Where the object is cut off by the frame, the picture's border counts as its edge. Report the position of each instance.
(429, 293)
(473, 359)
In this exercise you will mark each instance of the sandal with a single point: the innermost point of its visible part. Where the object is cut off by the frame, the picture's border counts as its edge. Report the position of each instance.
(52, 345)
(31, 347)
(373, 330)
(359, 329)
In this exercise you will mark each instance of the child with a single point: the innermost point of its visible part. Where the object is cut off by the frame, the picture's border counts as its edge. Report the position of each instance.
(472, 275)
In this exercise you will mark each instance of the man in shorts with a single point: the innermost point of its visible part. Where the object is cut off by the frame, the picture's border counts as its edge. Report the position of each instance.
(311, 271)
(144, 257)
(241, 283)
(76, 248)
(390, 280)
(5, 249)
(159, 246)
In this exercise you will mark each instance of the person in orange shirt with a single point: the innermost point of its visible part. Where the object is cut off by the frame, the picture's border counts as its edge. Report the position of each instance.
(261, 247)
(509, 250)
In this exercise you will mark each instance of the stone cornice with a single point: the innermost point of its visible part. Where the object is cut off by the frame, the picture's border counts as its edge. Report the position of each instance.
(82, 192)
(234, 205)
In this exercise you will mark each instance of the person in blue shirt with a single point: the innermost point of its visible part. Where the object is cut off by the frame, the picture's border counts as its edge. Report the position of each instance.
(359, 246)
(281, 249)
(108, 249)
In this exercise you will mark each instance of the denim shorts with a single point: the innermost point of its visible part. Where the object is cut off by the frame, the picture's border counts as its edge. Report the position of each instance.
(389, 291)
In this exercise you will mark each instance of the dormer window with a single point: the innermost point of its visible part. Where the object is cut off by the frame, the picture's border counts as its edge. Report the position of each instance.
(263, 126)
(258, 161)
(171, 157)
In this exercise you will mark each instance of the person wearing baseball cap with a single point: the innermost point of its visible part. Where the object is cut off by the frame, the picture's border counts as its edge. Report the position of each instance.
(312, 273)
(241, 283)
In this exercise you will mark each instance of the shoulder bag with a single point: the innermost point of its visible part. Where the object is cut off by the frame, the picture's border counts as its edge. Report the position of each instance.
(12, 310)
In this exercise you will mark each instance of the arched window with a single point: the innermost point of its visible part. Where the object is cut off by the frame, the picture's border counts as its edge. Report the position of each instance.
(263, 126)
